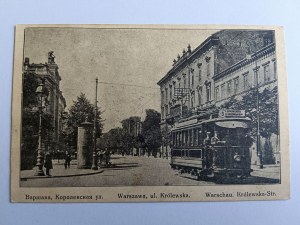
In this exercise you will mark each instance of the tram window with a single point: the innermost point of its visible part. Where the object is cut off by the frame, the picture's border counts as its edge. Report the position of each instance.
(195, 137)
(186, 153)
(179, 143)
(201, 136)
(174, 139)
(176, 153)
(191, 137)
(186, 138)
(196, 153)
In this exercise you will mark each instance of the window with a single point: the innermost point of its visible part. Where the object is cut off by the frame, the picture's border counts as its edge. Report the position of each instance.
(166, 95)
(236, 85)
(195, 137)
(162, 112)
(199, 96)
(174, 86)
(176, 153)
(208, 68)
(200, 75)
(217, 93)
(192, 80)
(267, 77)
(196, 153)
(208, 92)
(256, 77)
(162, 97)
(275, 69)
(223, 90)
(229, 88)
(207, 59)
(190, 133)
(179, 138)
(186, 138)
(184, 83)
(246, 81)
(170, 92)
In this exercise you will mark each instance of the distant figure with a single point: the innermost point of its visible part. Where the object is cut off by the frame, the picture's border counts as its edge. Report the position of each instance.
(107, 157)
(206, 141)
(48, 164)
(100, 157)
(215, 139)
(67, 160)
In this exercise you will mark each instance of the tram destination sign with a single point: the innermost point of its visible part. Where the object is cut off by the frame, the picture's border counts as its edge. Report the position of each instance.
(227, 113)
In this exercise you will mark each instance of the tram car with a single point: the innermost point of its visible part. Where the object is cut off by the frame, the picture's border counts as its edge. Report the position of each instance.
(216, 147)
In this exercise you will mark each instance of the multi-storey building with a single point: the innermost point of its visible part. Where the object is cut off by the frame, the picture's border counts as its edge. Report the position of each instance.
(216, 70)
(56, 102)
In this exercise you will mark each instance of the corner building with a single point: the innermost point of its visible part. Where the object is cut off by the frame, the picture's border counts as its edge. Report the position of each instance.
(56, 101)
(216, 70)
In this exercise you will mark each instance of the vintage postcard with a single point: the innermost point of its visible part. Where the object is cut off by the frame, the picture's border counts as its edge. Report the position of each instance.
(148, 113)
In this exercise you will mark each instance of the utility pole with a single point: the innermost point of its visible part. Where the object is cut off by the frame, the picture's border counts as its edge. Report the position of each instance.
(94, 165)
(259, 151)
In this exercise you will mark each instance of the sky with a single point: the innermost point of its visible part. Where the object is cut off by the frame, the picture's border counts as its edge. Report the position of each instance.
(129, 61)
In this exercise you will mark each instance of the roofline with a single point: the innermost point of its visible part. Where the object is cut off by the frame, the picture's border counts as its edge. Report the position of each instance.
(260, 53)
(191, 55)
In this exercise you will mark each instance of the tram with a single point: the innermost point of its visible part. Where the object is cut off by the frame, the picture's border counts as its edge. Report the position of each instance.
(215, 147)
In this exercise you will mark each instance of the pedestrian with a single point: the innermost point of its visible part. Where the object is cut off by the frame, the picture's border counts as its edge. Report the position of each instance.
(67, 160)
(100, 158)
(48, 164)
(107, 157)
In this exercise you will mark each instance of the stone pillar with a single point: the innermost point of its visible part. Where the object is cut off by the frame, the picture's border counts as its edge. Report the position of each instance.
(84, 146)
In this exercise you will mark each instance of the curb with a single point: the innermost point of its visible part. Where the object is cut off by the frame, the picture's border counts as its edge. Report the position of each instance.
(60, 176)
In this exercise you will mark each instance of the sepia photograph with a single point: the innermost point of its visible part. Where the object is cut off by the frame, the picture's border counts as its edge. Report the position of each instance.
(149, 113)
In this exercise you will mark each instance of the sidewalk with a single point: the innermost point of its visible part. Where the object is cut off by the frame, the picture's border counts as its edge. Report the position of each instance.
(268, 171)
(60, 171)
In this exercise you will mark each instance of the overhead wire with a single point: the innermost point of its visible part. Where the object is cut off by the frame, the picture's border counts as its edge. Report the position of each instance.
(130, 85)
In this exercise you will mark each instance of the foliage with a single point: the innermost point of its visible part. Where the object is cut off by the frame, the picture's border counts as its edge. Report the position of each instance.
(151, 131)
(81, 110)
(126, 138)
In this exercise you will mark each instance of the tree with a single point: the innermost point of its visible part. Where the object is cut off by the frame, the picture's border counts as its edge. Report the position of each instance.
(131, 135)
(151, 131)
(81, 110)
(30, 121)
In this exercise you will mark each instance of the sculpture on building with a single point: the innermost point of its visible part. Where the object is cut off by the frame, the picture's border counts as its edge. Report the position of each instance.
(51, 57)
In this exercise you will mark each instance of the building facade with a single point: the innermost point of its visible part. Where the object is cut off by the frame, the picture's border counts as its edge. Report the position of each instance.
(225, 65)
(56, 102)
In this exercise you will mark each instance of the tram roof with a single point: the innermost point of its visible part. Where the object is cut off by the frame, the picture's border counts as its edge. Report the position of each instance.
(227, 122)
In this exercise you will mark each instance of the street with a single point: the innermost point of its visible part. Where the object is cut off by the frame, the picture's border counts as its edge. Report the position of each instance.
(127, 171)
(133, 171)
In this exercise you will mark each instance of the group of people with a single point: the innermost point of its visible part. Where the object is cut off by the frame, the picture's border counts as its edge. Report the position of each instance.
(103, 158)
(48, 162)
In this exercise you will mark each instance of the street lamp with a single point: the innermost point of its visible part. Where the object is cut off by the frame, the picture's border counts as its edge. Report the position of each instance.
(42, 93)
(94, 163)
(258, 149)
